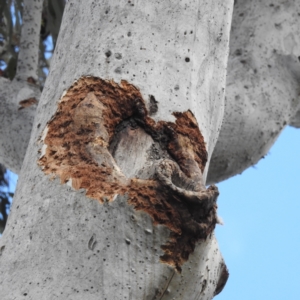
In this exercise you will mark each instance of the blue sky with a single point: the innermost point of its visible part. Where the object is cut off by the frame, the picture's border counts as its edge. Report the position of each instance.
(260, 239)
(260, 236)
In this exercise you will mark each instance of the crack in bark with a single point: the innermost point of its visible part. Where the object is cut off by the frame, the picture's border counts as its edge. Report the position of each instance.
(166, 287)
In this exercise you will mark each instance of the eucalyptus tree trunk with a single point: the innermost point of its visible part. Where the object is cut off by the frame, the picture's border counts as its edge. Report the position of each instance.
(111, 201)
(19, 97)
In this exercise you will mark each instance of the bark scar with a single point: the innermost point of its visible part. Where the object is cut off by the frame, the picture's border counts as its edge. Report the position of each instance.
(27, 102)
(76, 148)
(191, 191)
(92, 242)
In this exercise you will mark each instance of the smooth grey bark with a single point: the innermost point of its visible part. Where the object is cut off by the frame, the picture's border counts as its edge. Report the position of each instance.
(16, 123)
(30, 39)
(59, 243)
(262, 89)
(18, 98)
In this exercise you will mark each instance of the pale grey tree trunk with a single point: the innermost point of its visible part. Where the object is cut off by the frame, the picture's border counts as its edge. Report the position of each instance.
(172, 57)
(262, 89)
(18, 98)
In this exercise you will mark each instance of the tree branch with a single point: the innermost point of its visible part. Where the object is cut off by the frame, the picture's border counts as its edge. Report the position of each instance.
(19, 97)
(262, 87)
(30, 38)
(16, 123)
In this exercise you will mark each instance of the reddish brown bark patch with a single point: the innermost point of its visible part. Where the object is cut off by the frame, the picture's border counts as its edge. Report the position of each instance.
(78, 139)
(31, 80)
(27, 102)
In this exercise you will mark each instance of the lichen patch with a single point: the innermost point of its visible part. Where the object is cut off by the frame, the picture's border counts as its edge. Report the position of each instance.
(78, 140)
